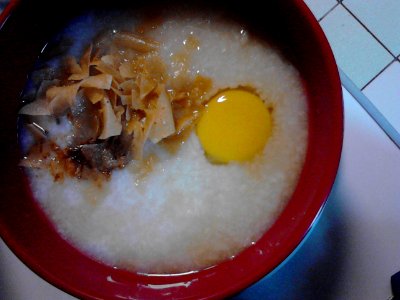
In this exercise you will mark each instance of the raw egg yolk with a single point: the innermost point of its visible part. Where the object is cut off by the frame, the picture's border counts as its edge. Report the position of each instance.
(235, 126)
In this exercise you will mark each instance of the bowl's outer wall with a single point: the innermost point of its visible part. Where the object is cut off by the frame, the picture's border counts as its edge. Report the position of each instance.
(26, 230)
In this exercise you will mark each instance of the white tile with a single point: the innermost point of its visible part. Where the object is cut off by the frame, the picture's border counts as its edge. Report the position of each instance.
(381, 17)
(384, 92)
(320, 7)
(356, 51)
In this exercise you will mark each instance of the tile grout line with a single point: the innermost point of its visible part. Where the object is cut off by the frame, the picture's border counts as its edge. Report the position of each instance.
(395, 58)
(370, 108)
(358, 93)
(379, 73)
(328, 12)
(367, 29)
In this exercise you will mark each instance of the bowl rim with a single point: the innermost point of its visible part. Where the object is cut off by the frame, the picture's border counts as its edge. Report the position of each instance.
(301, 230)
(7, 11)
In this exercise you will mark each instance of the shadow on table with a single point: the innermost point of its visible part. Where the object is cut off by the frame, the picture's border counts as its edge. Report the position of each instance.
(314, 269)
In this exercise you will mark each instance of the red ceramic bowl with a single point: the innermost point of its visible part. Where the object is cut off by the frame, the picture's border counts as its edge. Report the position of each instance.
(26, 230)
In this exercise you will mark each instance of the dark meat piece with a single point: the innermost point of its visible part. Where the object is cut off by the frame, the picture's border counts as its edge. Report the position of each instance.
(108, 155)
(85, 121)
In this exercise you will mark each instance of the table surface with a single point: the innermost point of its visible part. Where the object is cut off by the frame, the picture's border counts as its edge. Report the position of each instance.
(351, 252)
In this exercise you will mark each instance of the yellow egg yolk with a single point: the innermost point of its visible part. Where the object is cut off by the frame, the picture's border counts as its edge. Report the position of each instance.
(235, 126)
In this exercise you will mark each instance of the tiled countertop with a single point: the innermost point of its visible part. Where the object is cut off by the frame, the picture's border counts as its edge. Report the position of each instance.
(365, 38)
(355, 246)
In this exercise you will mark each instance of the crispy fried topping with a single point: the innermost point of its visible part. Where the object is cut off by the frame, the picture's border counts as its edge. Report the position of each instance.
(119, 100)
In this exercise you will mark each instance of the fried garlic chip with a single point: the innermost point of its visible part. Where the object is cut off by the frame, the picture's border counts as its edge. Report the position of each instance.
(141, 130)
(94, 95)
(39, 107)
(61, 97)
(111, 125)
(129, 89)
(101, 81)
(81, 71)
(164, 125)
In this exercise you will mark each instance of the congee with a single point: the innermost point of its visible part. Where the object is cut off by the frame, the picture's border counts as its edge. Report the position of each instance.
(165, 144)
